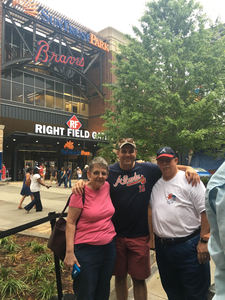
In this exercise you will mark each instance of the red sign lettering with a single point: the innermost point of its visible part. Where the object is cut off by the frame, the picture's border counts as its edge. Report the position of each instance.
(45, 56)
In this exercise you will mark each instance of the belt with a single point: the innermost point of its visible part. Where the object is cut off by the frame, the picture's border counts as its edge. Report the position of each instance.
(174, 241)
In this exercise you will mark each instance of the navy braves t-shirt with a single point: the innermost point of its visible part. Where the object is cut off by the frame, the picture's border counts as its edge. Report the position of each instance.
(130, 193)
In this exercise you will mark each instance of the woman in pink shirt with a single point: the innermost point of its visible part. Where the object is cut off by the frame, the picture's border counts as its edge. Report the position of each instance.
(90, 235)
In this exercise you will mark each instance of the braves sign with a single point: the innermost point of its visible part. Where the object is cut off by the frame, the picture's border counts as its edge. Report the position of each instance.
(74, 123)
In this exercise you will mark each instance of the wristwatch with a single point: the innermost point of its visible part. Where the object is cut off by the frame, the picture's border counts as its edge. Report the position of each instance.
(202, 240)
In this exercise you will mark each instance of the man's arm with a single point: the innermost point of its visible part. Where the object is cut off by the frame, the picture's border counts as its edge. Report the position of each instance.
(151, 233)
(202, 248)
(190, 173)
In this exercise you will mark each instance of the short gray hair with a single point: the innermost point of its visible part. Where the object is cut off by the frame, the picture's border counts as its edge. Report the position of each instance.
(100, 161)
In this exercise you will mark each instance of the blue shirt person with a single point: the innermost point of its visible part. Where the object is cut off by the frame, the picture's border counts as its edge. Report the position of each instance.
(215, 208)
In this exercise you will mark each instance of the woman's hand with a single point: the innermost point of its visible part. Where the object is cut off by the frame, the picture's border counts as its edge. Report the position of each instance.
(70, 260)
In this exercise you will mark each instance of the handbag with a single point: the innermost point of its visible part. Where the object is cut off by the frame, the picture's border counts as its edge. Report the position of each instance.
(57, 239)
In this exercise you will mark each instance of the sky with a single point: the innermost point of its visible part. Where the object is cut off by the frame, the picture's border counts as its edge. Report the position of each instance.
(119, 14)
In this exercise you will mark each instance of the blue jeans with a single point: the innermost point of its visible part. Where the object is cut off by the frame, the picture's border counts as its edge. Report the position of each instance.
(182, 277)
(36, 201)
(97, 263)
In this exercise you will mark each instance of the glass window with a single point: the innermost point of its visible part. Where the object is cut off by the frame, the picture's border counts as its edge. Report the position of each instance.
(39, 82)
(28, 94)
(68, 106)
(59, 87)
(49, 85)
(75, 108)
(17, 92)
(17, 76)
(6, 89)
(28, 79)
(49, 99)
(7, 74)
(39, 97)
(76, 92)
(59, 101)
(68, 90)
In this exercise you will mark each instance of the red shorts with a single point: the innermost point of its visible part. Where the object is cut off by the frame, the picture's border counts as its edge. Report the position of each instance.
(132, 257)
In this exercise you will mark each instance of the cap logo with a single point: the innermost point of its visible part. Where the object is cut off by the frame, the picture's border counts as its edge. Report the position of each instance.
(163, 150)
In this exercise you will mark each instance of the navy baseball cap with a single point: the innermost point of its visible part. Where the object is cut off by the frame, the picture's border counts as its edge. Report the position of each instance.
(165, 152)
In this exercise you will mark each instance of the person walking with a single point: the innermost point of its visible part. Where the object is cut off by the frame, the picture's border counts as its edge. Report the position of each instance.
(63, 177)
(215, 208)
(180, 225)
(90, 241)
(25, 191)
(79, 173)
(34, 180)
(69, 176)
(130, 188)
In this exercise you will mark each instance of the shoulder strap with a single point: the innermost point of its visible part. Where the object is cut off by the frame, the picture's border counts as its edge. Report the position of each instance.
(83, 200)
(68, 201)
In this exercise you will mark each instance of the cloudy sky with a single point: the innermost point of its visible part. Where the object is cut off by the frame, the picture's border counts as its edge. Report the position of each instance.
(120, 14)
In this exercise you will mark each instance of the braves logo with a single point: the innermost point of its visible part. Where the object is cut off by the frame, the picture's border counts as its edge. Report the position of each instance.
(29, 7)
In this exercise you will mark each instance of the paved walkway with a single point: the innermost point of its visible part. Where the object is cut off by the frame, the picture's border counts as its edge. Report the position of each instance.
(54, 199)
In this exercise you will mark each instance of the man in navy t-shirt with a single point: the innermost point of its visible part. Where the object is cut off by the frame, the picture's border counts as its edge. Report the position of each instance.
(131, 184)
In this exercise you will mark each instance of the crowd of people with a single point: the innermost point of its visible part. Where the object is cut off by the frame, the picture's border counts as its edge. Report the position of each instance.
(35, 177)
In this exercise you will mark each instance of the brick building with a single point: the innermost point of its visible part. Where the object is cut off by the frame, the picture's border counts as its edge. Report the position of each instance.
(52, 73)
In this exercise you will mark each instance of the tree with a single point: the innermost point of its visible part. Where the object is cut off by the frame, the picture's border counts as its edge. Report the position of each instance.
(170, 81)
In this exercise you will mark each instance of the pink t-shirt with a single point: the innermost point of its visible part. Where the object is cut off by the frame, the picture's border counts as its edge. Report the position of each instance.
(95, 226)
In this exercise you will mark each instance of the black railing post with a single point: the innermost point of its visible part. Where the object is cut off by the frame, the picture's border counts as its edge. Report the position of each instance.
(57, 263)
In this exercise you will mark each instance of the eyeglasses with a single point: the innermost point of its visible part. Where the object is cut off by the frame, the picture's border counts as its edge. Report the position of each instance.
(97, 173)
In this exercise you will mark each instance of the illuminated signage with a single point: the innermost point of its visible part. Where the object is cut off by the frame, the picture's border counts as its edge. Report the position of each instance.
(74, 123)
(31, 8)
(69, 145)
(45, 56)
(66, 132)
(75, 152)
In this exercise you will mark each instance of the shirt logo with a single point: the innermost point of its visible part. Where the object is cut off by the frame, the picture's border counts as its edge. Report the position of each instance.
(130, 181)
(171, 198)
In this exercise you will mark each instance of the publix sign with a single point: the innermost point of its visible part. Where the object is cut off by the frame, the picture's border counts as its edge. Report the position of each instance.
(73, 130)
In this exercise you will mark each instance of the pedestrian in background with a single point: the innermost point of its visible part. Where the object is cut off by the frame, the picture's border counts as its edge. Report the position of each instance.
(63, 177)
(69, 176)
(33, 179)
(215, 208)
(25, 191)
(79, 173)
(53, 175)
(84, 172)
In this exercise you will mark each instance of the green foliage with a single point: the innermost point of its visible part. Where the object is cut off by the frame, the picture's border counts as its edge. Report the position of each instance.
(46, 290)
(29, 273)
(36, 273)
(37, 248)
(12, 287)
(44, 258)
(170, 82)
(8, 245)
(6, 272)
